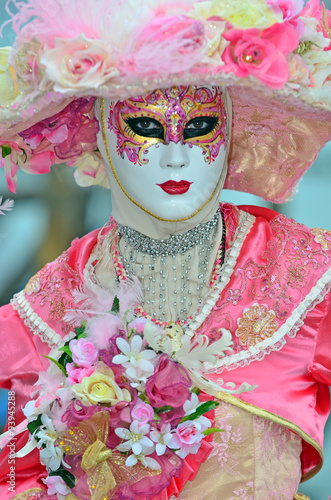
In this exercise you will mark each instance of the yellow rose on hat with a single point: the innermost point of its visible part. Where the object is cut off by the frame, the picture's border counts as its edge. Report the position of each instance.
(241, 14)
(100, 387)
(8, 85)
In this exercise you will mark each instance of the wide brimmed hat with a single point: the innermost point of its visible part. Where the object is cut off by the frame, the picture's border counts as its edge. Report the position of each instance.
(273, 55)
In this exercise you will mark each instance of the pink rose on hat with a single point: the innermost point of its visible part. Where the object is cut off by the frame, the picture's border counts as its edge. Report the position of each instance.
(261, 54)
(78, 64)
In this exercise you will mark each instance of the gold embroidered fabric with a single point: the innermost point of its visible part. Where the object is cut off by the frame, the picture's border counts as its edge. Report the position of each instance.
(31, 494)
(253, 459)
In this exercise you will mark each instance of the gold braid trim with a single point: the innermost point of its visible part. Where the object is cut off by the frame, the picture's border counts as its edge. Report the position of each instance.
(32, 494)
(300, 496)
(281, 421)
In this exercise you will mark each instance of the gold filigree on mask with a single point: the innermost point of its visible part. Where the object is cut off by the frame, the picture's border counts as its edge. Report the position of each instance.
(172, 109)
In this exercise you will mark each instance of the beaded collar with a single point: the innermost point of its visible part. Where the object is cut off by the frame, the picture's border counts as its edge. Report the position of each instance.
(176, 243)
(201, 235)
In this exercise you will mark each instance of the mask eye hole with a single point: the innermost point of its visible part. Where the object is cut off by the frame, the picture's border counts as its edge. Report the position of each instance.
(146, 127)
(200, 126)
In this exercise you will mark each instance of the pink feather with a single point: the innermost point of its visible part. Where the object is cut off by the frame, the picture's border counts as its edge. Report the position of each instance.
(101, 328)
(167, 45)
(129, 294)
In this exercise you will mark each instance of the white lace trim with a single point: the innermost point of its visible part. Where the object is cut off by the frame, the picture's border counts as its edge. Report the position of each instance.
(33, 321)
(277, 341)
(245, 224)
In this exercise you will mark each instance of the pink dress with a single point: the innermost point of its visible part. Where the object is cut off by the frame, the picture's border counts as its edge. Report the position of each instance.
(274, 298)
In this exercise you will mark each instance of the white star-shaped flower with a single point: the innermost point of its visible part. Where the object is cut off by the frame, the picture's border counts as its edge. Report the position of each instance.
(162, 438)
(137, 441)
(137, 361)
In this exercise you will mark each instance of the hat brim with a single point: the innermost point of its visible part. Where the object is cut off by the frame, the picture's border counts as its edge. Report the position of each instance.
(275, 139)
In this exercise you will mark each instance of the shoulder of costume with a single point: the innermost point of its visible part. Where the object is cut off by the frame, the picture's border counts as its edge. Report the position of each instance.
(47, 296)
(275, 272)
(256, 211)
(319, 237)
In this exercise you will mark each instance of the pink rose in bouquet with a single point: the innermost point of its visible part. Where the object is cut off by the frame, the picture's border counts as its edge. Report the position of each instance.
(84, 352)
(187, 438)
(143, 413)
(169, 386)
(76, 374)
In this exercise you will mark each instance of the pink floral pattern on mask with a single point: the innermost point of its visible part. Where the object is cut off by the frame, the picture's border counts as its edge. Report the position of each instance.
(173, 108)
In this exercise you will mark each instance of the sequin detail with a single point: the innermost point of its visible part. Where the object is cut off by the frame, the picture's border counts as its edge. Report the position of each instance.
(46, 298)
(287, 276)
(322, 237)
(256, 324)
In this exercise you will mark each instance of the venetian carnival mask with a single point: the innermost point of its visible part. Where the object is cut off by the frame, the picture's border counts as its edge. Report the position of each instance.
(168, 149)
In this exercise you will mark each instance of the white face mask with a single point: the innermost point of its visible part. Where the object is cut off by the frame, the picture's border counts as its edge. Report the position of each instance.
(168, 149)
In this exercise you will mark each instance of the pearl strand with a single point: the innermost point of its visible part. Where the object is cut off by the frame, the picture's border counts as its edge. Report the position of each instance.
(139, 311)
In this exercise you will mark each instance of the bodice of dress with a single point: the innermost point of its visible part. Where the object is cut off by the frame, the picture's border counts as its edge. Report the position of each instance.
(291, 379)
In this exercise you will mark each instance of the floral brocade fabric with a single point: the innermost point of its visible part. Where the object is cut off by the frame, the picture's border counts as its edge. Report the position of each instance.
(252, 459)
(264, 301)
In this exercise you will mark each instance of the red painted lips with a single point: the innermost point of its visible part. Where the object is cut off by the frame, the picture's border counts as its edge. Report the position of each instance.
(173, 187)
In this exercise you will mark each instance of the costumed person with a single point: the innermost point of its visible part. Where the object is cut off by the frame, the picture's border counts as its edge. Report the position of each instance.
(183, 350)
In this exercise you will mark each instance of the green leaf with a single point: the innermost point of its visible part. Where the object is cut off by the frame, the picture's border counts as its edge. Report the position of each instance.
(207, 432)
(201, 410)
(57, 364)
(66, 349)
(67, 477)
(163, 409)
(80, 331)
(115, 309)
(5, 150)
(65, 359)
(34, 425)
(196, 391)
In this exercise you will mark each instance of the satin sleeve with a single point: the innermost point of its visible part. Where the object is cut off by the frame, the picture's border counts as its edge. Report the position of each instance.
(320, 367)
(20, 362)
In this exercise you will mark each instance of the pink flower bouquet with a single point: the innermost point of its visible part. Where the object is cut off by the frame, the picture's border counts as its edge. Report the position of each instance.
(115, 418)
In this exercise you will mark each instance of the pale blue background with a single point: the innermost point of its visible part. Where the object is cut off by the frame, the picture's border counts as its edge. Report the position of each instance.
(23, 231)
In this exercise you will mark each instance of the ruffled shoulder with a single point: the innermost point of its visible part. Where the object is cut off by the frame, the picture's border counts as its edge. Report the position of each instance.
(48, 294)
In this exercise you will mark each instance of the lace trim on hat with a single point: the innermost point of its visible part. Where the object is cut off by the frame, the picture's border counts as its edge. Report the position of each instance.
(277, 341)
(34, 322)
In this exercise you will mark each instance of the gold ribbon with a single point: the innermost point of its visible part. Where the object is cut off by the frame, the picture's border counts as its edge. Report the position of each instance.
(100, 477)
(104, 468)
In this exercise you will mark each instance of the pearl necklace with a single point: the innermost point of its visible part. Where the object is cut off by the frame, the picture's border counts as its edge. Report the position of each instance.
(122, 268)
